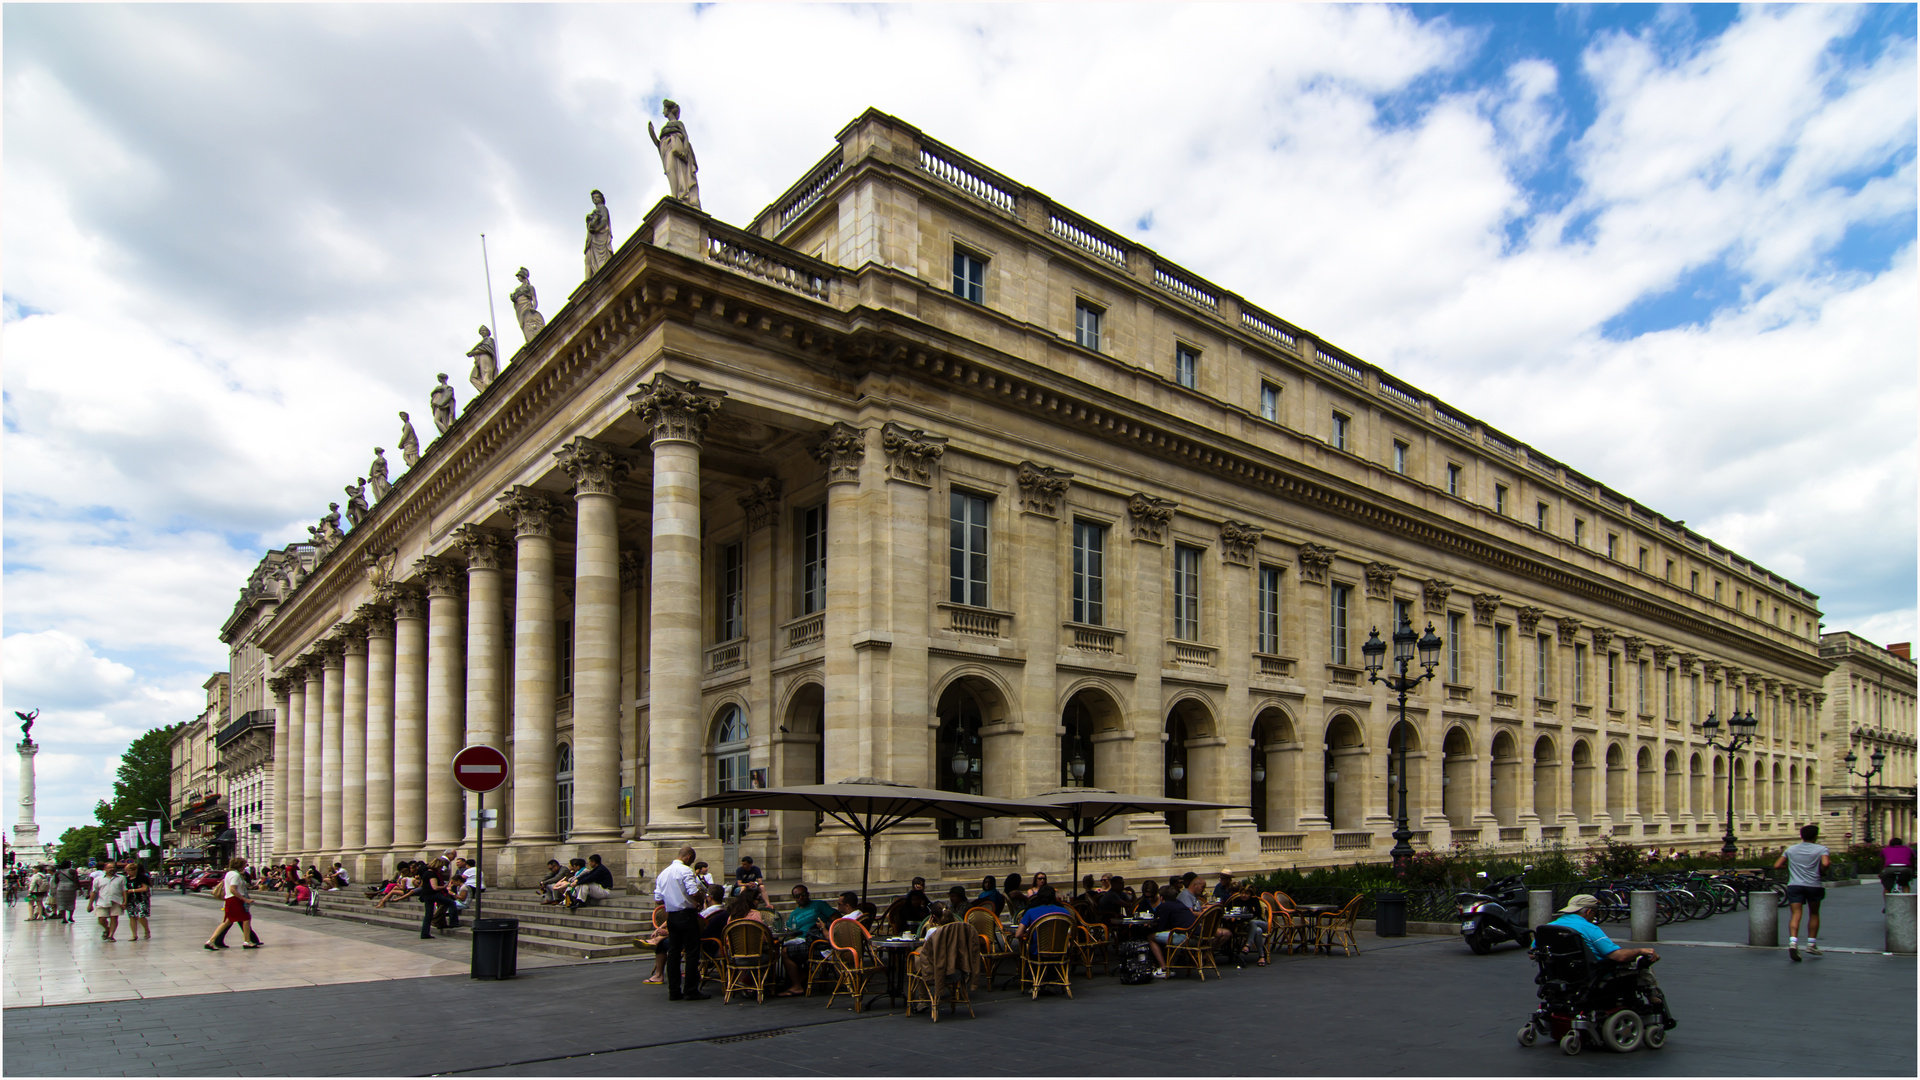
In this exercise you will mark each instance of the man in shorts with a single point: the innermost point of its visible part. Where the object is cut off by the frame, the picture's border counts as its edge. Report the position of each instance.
(1805, 861)
(109, 900)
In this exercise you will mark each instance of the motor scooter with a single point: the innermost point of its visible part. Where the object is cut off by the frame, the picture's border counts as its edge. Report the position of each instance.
(1497, 914)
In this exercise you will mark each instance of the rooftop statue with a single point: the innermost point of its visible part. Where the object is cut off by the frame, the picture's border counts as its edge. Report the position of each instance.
(526, 305)
(357, 508)
(409, 442)
(442, 402)
(599, 234)
(676, 156)
(486, 365)
(377, 472)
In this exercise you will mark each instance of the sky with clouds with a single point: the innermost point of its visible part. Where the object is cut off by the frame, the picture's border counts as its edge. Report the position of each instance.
(1670, 246)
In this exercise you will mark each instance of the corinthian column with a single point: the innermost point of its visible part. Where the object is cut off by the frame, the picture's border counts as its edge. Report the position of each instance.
(676, 413)
(282, 688)
(842, 452)
(446, 701)
(292, 841)
(353, 745)
(486, 641)
(409, 723)
(596, 635)
(534, 655)
(310, 764)
(332, 709)
(379, 774)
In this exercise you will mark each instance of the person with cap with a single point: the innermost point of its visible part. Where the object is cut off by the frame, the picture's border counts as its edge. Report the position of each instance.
(1224, 887)
(1600, 947)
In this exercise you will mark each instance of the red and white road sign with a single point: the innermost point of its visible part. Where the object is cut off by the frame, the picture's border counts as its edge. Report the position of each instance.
(479, 768)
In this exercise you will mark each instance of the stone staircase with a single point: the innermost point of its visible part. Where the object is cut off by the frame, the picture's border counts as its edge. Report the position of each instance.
(601, 930)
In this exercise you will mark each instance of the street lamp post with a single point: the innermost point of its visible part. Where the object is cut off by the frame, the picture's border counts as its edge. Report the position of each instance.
(1405, 641)
(1879, 758)
(1741, 730)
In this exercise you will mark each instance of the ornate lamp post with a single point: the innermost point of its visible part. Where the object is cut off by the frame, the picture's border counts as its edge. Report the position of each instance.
(1740, 731)
(1879, 758)
(1405, 641)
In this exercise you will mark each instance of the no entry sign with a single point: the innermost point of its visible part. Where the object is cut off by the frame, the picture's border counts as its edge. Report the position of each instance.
(479, 768)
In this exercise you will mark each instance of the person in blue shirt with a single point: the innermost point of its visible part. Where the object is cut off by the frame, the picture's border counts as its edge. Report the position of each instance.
(991, 895)
(1600, 947)
(1044, 903)
(806, 923)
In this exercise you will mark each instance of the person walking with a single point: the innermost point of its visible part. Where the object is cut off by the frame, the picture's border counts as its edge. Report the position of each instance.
(682, 893)
(110, 900)
(435, 899)
(139, 900)
(39, 887)
(1805, 862)
(66, 888)
(235, 908)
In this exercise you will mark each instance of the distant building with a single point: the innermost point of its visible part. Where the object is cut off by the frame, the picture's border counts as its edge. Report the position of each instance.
(198, 807)
(1870, 699)
(245, 745)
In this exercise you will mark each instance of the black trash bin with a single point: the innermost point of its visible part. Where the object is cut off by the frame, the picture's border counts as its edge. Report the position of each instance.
(496, 948)
(1390, 914)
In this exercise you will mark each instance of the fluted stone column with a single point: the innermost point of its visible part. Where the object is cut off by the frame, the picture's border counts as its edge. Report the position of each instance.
(310, 763)
(534, 655)
(379, 774)
(596, 636)
(282, 687)
(353, 746)
(409, 723)
(842, 452)
(332, 711)
(676, 413)
(486, 706)
(446, 701)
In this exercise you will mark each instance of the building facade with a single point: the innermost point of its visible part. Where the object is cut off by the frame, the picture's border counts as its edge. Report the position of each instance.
(922, 476)
(245, 746)
(1868, 708)
(198, 809)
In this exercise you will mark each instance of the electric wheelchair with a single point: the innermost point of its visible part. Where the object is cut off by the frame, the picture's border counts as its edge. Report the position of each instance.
(1587, 1002)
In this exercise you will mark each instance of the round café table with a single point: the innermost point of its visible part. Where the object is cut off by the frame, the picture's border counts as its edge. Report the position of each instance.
(1319, 913)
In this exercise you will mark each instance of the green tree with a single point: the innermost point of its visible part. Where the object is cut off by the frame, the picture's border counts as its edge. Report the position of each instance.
(143, 778)
(83, 842)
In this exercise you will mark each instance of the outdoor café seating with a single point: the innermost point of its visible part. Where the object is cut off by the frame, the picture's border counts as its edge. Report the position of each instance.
(854, 963)
(1047, 955)
(993, 940)
(748, 959)
(1091, 940)
(1338, 928)
(1195, 951)
(945, 966)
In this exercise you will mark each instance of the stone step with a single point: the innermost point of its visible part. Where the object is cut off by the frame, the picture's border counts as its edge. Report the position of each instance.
(553, 938)
(533, 918)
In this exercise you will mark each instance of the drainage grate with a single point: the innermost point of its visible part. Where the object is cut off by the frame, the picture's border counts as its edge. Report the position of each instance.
(751, 1035)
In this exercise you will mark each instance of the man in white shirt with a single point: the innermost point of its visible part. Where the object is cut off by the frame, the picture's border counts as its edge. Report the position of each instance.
(682, 894)
(93, 884)
(110, 893)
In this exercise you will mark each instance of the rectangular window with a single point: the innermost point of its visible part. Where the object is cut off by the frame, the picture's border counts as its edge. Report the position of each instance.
(1402, 613)
(1693, 581)
(969, 277)
(1613, 546)
(1339, 431)
(1580, 673)
(1739, 600)
(1693, 693)
(1673, 712)
(1453, 480)
(730, 621)
(1269, 402)
(1089, 573)
(1500, 658)
(1643, 560)
(1399, 457)
(1186, 367)
(1086, 325)
(1645, 673)
(1500, 498)
(1186, 593)
(1455, 623)
(1669, 571)
(813, 560)
(563, 668)
(1543, 666)
(967, 550)
(1613, 680)
(1269, 627)
(1338, 603)
(1579, 533)
(1540, 515)
(1716, 590)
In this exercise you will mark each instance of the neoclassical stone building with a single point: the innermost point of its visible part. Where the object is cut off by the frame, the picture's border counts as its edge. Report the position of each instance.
(1870, 695)
(922, 476)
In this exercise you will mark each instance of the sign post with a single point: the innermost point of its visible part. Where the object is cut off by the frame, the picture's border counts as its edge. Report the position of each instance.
(480, 769)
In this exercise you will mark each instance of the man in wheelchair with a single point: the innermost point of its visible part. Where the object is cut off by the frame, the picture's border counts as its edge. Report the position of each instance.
(1586, 979)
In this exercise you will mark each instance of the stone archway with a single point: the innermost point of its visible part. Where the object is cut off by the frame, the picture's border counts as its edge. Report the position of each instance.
(1546, 781)
(1346, 773)
(799, 758)
(1618, 783)
(1416, 774)
(1192, 764)
(1274, 771)
(1456, 777)
(1505, 779)
(1643, 780)
(1583, 785)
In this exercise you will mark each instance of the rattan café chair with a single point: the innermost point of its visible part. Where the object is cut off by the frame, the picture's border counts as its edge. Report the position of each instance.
(1196, 949)
(1047, 960)
(993, 940)
(748, 961)
(959, 991)
(854, 964)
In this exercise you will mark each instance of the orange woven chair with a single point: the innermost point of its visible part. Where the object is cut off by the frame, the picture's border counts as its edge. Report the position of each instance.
(713, 949)
(854, 964)
(748, 960)
(993, 940)
(958, 991)
(1338, 929)
(1197, 948)
(1047, 960)
(1090, 938)
(819, 966)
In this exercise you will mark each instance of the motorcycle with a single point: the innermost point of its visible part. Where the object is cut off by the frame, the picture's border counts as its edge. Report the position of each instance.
(1499, 913)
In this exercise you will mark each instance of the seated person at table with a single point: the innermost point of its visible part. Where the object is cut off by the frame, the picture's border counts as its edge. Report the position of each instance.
(1171, 920)
(1111, 905)
(745, 905)
(1016, 894)
(956, 900)
(913, 907)
(806, 923)
(1190, 893)
(990, 895)
(1224, 887)
(1044, 903)
(746, 874)
(1086, 886)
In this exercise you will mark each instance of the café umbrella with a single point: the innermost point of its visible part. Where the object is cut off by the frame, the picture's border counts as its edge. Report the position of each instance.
(866, 805)
(1079, 811)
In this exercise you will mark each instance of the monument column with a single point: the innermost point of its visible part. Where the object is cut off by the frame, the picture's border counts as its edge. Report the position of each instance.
(409, 723)
(446, 702)
(486, 646)
(292, 841)
(596, 639)
(26, 832)
(282, 688)
(353, 748)
(378, 789)
(534, 657)
(310, 764)
(332, 710)
(676, 413)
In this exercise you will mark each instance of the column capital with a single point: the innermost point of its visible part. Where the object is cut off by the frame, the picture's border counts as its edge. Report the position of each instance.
(1237, 541)
(594, 468)
(443, 576)
(1568, 628)
(1041, 487)
(762, 503)
(408, 601)
(633, 569)
(353, 638)
(1315, 559)
(281, 685)
(531, 509)
(333, 652)
(377, 618)
(1603, 637)
(841, 451)
(1529, 619)
(676, 410)
(1485, 607)
(1149, 515)
(1632, 644)
(911, 452)
(1380, 580)
(487, 549)
(1433, 596)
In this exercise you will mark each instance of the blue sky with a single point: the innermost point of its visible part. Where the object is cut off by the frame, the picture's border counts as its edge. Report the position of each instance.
(1672, 246)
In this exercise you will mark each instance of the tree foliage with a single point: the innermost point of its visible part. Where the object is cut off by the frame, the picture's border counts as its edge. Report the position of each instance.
(142, 781)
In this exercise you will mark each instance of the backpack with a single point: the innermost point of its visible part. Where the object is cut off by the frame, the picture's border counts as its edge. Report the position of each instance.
(1136, 963)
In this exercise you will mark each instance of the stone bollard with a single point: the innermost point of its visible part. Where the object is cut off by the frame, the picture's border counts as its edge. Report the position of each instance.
(1539, 907)
(1644, 915)
(1900, 932)
(1763, 918)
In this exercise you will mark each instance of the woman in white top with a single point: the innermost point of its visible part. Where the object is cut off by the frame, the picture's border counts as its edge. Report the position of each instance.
(235, 889)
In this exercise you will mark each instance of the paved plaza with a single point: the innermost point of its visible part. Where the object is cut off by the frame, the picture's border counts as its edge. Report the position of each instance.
(333, 998)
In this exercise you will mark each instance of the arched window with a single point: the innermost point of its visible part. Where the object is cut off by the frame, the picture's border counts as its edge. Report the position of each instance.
(730, 769)
(958, 756)
(1175, 770)
(563, 789)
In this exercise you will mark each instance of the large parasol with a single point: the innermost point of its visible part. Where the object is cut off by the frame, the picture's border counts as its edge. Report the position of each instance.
(1079, 811)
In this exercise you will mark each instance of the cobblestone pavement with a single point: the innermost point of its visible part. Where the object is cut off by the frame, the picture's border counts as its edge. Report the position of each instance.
(1411, 1006)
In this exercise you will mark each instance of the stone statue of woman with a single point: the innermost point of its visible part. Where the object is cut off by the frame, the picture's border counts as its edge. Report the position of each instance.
(526, 304)
(486, 365)
(377, 472)
(676, 156)
(357, 508)
(599, 234)
(442, 403)
(409, 442)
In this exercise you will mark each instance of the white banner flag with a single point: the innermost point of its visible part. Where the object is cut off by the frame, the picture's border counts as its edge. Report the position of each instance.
(153, 832)
(113, 850)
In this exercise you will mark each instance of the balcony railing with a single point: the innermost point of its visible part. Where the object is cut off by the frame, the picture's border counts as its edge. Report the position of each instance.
(1278, 667)
(1352, 841)
(727, 654)
(1513, 836)
(976, 622)
(806, 630)
(1199, 847)
(247, 722)
(1466, 836)
(1274, 843)
(1193, 655)
(979, 854)
(1095, 639)
(1118, 849)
